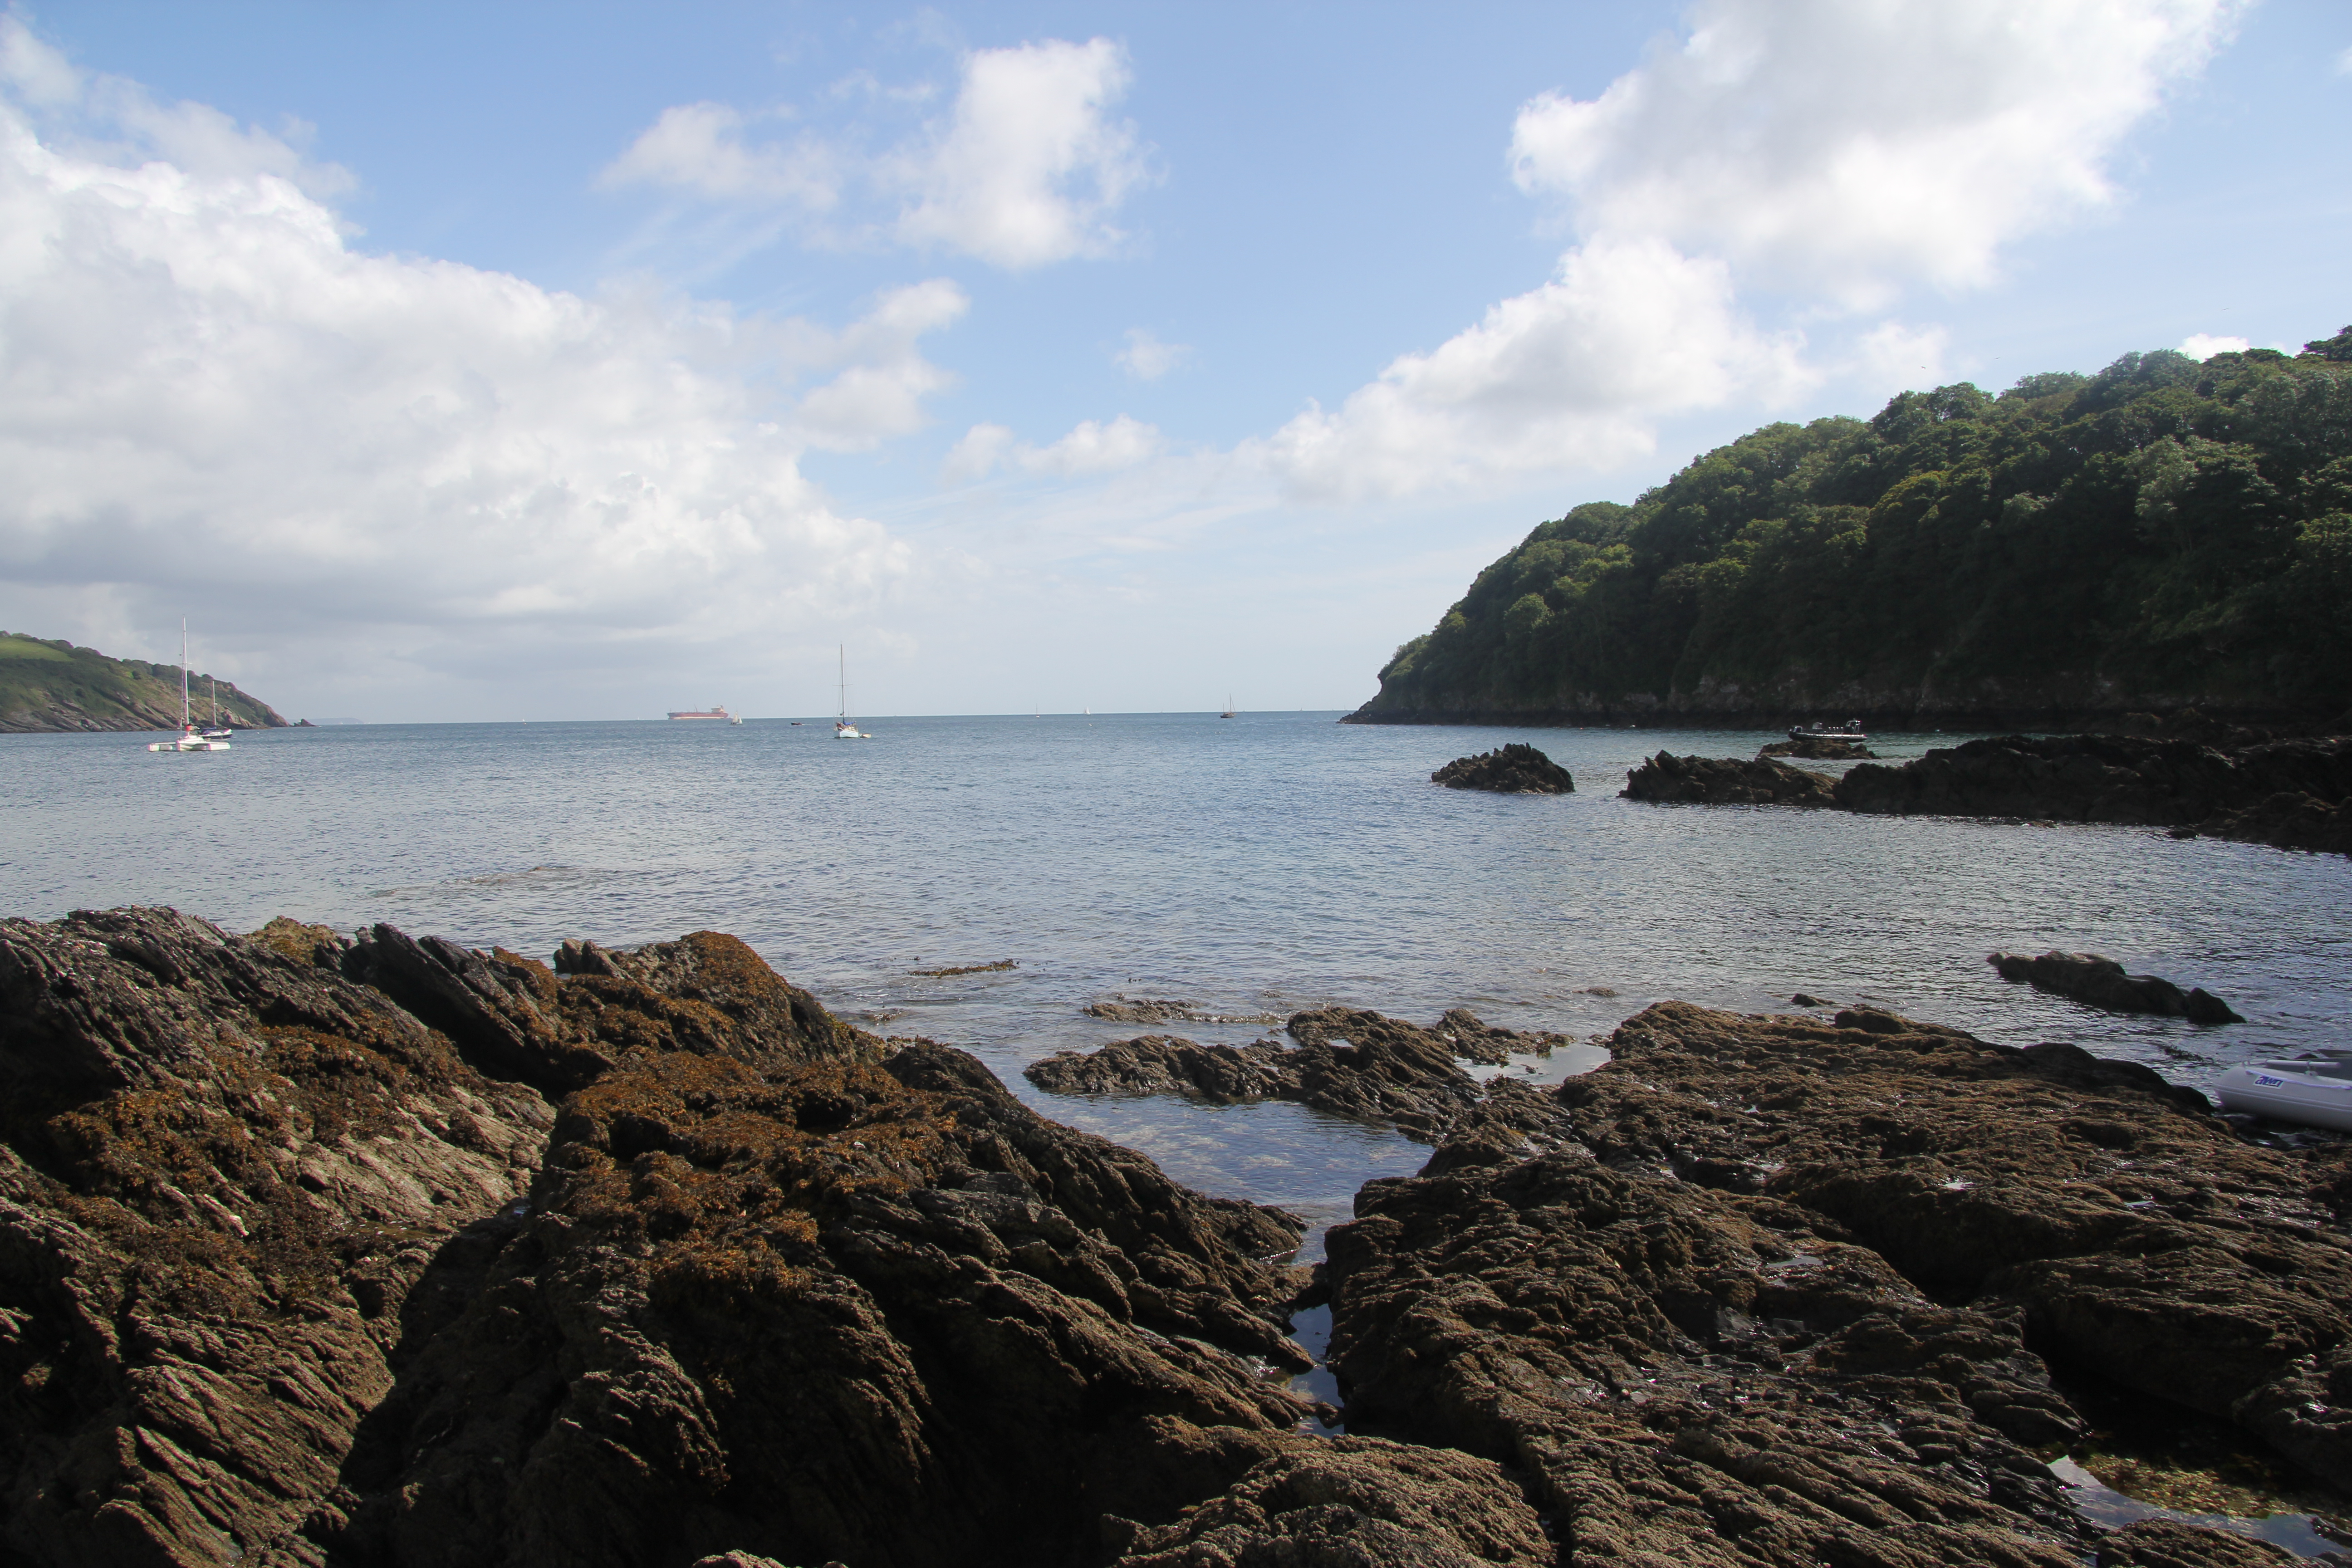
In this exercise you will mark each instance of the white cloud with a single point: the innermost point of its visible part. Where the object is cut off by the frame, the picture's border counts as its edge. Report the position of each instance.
(2344, 63)
(1846, 148)
(1839, 150)
(1146, 358)
(699, 147)
(1027, 166)
(2205, 345)
(1091, 447)
(1892, 357)
(977, 455)
(1573, 374)
(205, 392)
(881, 393)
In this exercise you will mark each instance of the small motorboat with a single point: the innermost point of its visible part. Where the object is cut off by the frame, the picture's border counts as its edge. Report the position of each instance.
(1850, 730)
(2315, 1089)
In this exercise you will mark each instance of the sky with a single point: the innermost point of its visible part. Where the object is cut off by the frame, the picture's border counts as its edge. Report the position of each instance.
(539, 362)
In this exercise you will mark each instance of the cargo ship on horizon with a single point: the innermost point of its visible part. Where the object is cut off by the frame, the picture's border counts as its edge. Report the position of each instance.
(713, 711)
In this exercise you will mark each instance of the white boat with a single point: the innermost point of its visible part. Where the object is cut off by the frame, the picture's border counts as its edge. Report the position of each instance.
(2315, 1089)
(1851, 731)
(191, 738)
(843, 729)
(219, 732)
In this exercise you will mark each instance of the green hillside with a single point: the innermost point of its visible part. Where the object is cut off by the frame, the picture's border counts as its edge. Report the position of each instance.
(2161, 534)
(47, 685)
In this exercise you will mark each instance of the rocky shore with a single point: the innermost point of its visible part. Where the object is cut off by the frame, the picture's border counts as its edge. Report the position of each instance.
(2293, 794)
(381, 1251)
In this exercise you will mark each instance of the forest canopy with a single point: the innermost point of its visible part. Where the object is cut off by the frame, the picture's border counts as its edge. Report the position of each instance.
(2164, 532)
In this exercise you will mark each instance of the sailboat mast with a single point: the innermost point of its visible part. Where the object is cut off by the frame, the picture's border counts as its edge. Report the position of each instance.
(183, 675)
(843, 650)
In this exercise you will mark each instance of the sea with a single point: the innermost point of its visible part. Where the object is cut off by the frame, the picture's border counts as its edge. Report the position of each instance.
(1252, 867)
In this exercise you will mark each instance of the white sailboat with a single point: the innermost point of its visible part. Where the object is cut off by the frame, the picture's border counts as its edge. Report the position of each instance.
(843, 729)
(191, 739)
(219, 732)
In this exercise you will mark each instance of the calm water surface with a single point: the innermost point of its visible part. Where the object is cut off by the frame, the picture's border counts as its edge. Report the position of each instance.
(1254, 865)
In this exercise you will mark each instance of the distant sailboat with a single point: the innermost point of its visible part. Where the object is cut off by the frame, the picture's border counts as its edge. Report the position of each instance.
(843, 729)
(189, 740)
(219, 732)
(1229, 707)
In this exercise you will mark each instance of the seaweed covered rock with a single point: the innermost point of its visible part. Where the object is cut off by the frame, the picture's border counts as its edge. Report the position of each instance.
(866, 1313)
(224, 1169)
(2249, 791)
(1786, 1296)
(1725, 780)
(1517, 768)
(1817, 749)
(290, 1274)
(1357, 1501)
(1346, 1061)
(2098, 982)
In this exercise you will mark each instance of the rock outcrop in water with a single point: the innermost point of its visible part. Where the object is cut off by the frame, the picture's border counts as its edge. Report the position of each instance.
(1817, 749)
(1346, 1062)
(2292, 794)
(644, 1262)
(1792, 1294)
(2101, 982)
(1514, 769)
(1725, 780)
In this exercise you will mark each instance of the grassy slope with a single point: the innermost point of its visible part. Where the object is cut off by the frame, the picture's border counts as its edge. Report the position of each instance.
(57, 685)
(2161, 534)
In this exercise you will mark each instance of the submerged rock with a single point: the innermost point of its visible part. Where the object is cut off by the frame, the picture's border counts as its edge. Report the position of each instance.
(1346, 1061)
(1144, 1010)
(1792, 1293)
(1725, 780)
(2098, 982)
(1514, 769)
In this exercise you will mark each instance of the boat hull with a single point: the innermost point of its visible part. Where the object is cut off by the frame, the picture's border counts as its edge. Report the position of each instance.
(2310, 1099)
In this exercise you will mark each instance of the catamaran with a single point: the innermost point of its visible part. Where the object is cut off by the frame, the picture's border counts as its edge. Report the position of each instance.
(191, 738)
(843, 729)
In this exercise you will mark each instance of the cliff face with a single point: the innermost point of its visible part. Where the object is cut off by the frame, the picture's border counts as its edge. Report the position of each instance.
(55, 686)
(2163, 535)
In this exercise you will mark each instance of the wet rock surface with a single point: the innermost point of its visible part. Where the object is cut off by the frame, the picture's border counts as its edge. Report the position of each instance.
(650, 1260)
(1792, 1293)
(1725, 780)
(1817, 749)
(290, 1275)
(1346, 1061)
(2100, 981)
(2290, 793)
(1514, 769)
